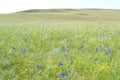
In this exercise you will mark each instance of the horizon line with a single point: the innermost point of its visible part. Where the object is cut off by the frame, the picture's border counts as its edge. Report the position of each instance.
(58, 9)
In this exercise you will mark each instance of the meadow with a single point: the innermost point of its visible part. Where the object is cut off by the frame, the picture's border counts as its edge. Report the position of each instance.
(60, 45)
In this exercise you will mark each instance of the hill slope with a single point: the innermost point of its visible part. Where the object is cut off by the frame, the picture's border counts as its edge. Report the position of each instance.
(48, 15)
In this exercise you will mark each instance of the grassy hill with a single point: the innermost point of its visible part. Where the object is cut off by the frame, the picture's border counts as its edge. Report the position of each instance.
(62, 15)
(64, 10)
(46, 10)
(64, 44)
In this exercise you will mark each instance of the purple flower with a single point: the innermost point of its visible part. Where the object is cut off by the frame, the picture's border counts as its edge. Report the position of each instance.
(60, 64)
(62, 74)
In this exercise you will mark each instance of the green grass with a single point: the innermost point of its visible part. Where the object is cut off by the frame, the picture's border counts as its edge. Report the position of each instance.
(86, 42)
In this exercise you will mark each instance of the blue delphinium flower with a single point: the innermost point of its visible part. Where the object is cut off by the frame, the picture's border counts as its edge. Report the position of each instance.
(71, 62)
(82, 46)
(38, 66)
(97, 49)
(60, 64)
(24, 51)
(62, 74)
(63, 48)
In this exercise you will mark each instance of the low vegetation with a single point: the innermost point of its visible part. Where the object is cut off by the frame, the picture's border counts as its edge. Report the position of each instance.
(67, 45)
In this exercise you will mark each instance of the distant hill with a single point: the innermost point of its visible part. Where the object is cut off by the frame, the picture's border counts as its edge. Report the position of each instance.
(46, 10)
(62, 15)
(64, 10)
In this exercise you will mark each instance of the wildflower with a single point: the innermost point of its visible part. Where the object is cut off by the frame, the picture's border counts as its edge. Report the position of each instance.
(24, 51)
(97, 49)
(67, 48)
(82, 46)
(63, 48)
(38, 66)
(60, 64)
(62, 74)
(71, 62)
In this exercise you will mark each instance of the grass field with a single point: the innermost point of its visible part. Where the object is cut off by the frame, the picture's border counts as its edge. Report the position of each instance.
(60, 45)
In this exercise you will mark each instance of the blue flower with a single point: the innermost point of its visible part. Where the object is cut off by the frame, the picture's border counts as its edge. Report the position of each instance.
(97, 49)
(38, 66)
(82, 46)
(63, 49)
(60, 64)
(24, 51)
(71, 62)
(62, 74)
